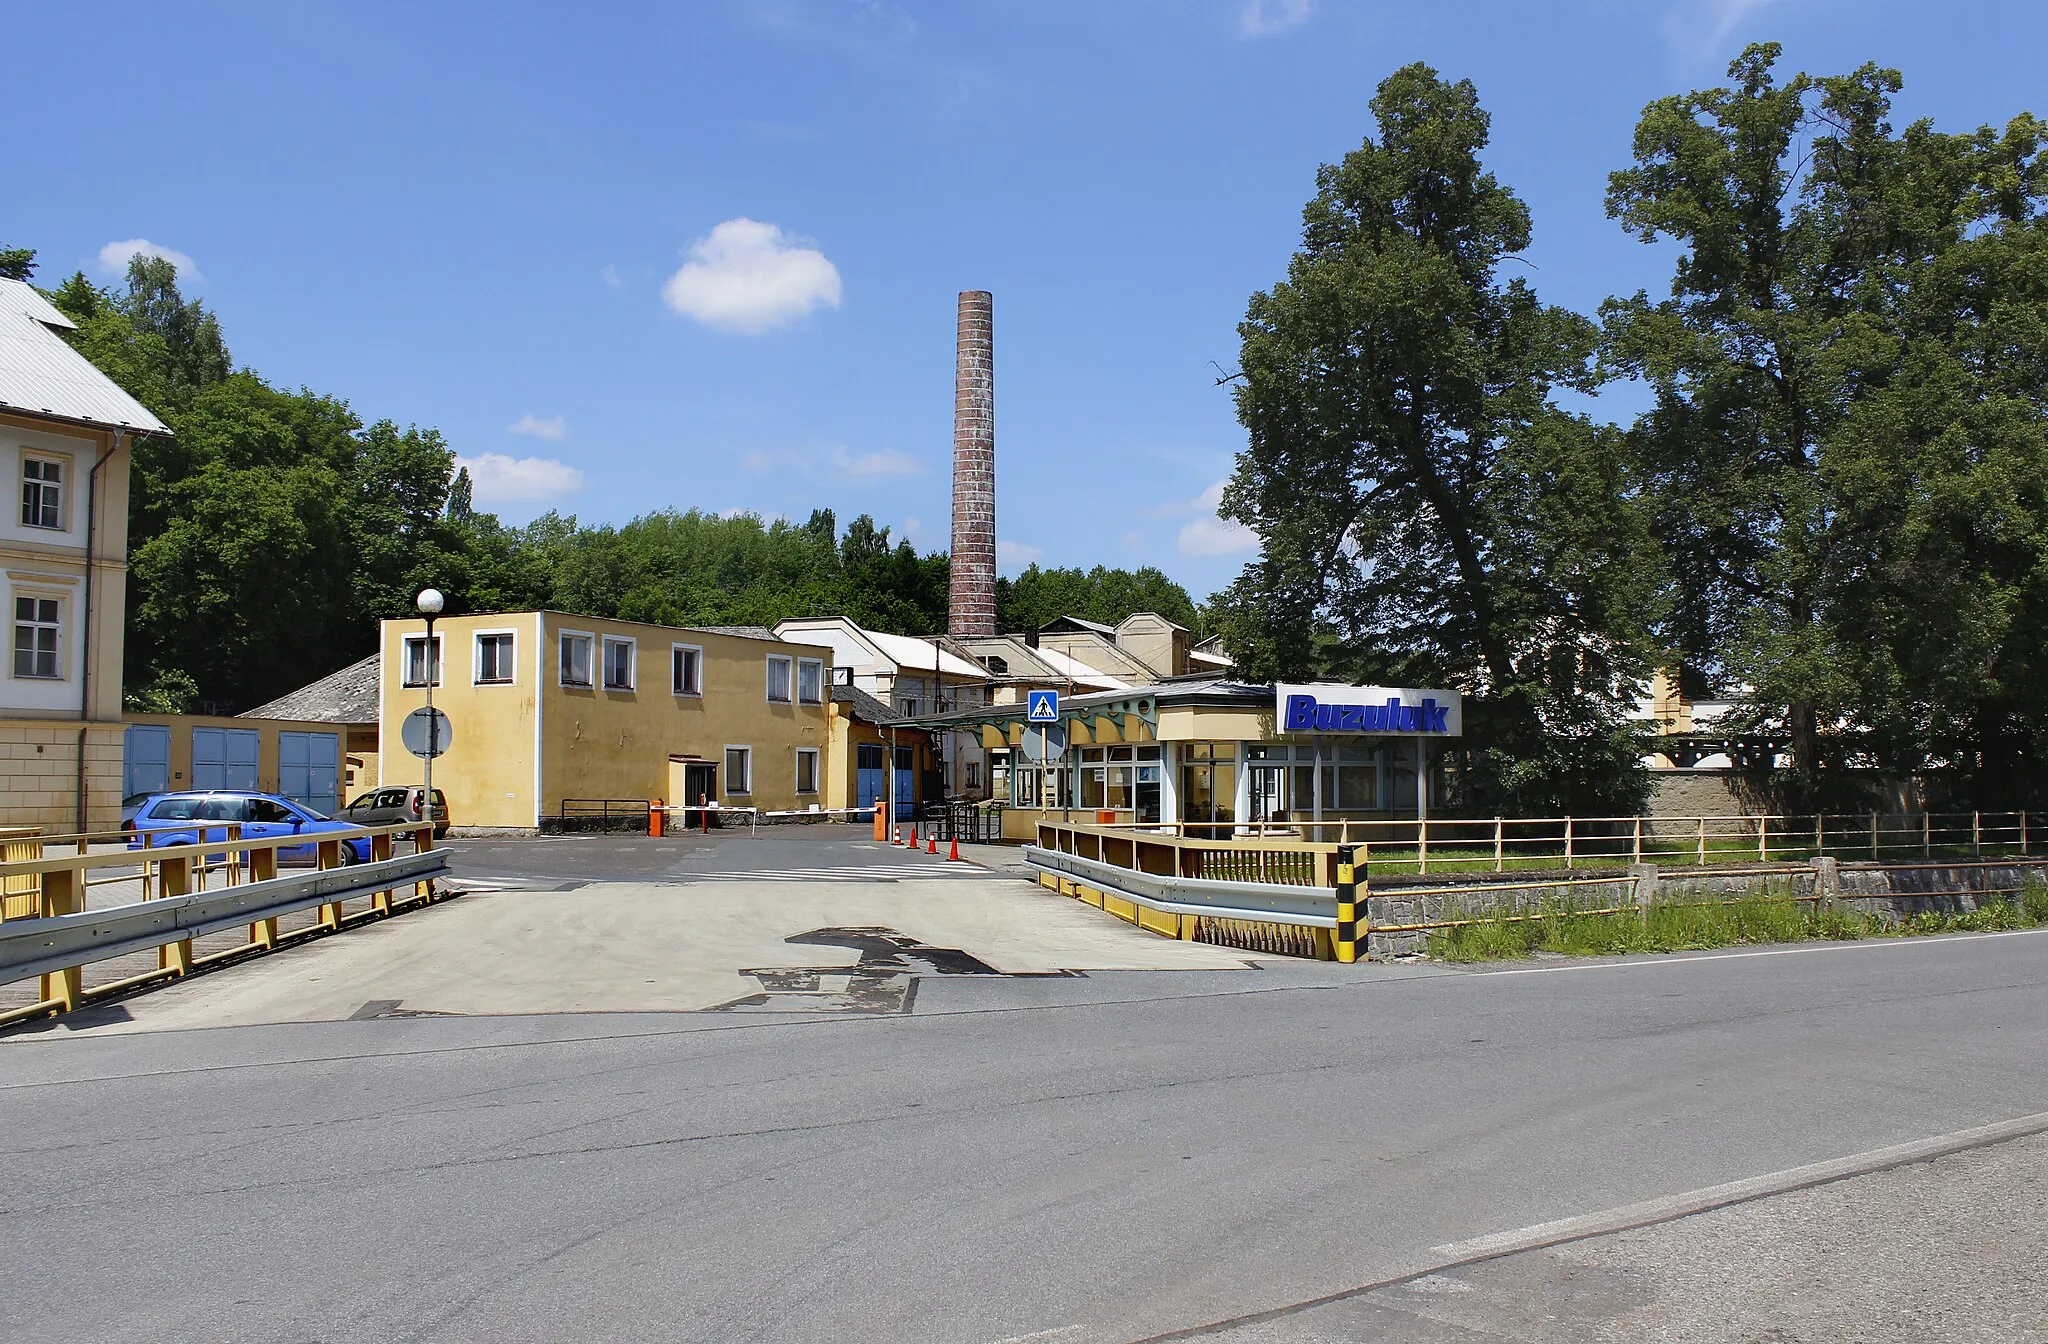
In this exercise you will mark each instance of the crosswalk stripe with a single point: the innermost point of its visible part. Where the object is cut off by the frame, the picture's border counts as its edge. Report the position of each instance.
(848, 874)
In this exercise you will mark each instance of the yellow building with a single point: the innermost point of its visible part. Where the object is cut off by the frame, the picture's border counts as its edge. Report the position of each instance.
(66, 432)
(549, 710)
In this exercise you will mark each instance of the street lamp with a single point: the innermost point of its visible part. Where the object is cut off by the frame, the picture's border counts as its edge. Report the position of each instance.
(430, 603)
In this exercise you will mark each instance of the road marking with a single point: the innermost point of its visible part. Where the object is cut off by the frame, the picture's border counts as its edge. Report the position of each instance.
(1667, 1208)
(1056, 1332)
(1804, 950)
(850, 873)
(1647, 1213)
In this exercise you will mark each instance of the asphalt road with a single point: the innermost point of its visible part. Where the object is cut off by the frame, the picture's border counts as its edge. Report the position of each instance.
(1110, 1157)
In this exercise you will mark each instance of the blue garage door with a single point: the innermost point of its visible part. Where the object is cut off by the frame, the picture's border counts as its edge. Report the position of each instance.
(145, 759)
(309, 770)
(223, 758)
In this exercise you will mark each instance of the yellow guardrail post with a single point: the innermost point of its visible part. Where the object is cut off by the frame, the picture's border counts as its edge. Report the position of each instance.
(63, 894)
(422, 841)
(263, 867)
(380, 849)
(330, 857)
(174, 878)
(1347, 933)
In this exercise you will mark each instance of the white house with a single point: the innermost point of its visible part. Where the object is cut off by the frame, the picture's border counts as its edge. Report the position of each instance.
(66, 431)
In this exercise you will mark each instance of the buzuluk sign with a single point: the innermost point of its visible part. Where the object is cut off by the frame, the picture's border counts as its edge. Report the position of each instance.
(1401, 710)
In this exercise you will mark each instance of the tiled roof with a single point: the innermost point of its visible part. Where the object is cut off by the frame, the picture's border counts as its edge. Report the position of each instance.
(864, 706)
(347, 696)
(40, 374)
(742, 631)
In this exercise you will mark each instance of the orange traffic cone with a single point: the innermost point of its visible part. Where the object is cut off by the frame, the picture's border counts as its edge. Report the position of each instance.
(954, 857)
(933, 848)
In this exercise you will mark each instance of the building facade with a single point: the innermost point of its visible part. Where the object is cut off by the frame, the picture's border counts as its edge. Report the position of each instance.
(66, 435)
(549, 711)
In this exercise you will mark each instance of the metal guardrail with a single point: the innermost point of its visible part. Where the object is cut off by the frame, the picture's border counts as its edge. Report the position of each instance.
(175, 894)
(39, 946)
(1265, 902)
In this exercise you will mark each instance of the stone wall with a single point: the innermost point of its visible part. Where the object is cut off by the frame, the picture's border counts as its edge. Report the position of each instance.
(1890, 890)
(39, 774)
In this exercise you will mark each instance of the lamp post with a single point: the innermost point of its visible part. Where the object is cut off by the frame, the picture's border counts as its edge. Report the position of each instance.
(430, 603)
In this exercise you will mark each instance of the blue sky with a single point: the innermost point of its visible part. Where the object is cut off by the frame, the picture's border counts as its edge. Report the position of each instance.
(705, 254)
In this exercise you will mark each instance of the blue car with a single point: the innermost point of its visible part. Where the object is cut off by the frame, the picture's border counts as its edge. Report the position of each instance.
(205, 814)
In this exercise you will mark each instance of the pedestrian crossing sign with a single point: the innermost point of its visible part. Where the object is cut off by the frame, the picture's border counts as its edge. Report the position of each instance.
(1043, 707)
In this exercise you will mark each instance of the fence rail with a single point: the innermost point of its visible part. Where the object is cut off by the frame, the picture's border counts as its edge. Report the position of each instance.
(1230, 891)
(1298, 851)
(51, 932)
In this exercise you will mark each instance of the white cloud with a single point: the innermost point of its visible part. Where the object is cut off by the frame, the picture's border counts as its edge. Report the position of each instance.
(552, 428)
(911, 531)
(519, 480)
(114, 257)
(1258, 18)
(611, 277)
(1017, 554)
(751, 277)
(1207, 533)
(1134, 541)
(881, 462)
(756, 460)
(1701, 28)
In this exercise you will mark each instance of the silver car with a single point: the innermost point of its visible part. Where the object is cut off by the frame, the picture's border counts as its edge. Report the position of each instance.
(382, 807)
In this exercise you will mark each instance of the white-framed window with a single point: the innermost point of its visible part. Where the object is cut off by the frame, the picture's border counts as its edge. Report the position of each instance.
(778, 678)
(739, 770)
(575, 658)
(806, 769)
(416, 666)
(37, 624)
(495, 660)
(810, 681)
(686, 669)
(907, 708)
(42, 492)
(618, 663)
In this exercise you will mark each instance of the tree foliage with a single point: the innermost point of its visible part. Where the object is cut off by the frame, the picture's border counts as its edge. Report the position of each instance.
(1037, 596)
(1427, 514)
(1847, 446)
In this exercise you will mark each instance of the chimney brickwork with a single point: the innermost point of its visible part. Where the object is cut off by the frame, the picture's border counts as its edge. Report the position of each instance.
(971, 608)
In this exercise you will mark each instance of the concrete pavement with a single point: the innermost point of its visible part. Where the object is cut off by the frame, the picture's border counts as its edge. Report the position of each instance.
(1112, 1157)
(617, 924)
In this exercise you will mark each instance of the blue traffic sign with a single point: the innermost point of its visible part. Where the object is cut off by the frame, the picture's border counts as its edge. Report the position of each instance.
(1043, 707)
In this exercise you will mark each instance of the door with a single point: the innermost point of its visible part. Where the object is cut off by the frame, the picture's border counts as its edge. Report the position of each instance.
(906, 783)
(145, 760)
(267, 819)
(1268, 784)
(224, 758)
(867, 775)
(309, 770)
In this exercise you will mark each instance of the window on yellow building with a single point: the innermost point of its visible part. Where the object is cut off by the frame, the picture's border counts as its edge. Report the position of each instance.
(416, 663)
(575, 659)
(806, 770)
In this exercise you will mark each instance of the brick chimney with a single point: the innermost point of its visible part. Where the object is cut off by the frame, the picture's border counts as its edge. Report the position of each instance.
(971, 609)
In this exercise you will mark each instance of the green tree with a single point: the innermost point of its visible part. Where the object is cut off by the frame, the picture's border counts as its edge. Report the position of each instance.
(461, 497)
(1846, 441)
(17, 263)
(1099, 594)
(1427, 514)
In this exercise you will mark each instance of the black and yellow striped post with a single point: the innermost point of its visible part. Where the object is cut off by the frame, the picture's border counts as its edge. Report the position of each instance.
(1348, 932)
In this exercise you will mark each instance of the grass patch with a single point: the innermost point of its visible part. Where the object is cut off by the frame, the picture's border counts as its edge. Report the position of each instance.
(1774, 917)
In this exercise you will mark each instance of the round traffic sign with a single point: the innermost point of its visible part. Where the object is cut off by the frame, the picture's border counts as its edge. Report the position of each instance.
(426, 732)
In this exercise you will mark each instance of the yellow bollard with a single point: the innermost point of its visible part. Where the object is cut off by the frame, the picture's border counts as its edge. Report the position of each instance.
(1347, 933)
(63, 894)
(330, 857)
